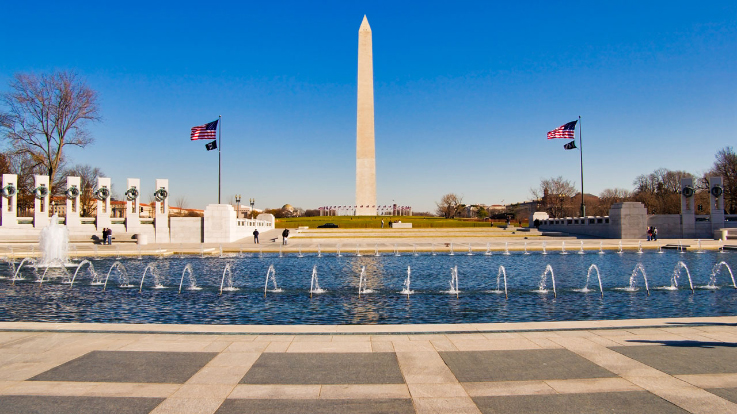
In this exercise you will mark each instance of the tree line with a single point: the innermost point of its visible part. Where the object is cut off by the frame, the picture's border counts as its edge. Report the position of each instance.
(659, 191)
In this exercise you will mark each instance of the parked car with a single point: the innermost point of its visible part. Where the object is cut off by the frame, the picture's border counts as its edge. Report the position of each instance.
(328, 226)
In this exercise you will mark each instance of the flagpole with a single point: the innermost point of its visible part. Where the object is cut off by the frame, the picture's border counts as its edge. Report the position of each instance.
(220, 143)
(580, 149)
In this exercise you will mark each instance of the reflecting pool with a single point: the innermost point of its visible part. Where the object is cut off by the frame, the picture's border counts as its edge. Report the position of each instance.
(269, 289)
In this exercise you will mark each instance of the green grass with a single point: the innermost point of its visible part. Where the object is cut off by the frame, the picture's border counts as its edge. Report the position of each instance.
(362, 222)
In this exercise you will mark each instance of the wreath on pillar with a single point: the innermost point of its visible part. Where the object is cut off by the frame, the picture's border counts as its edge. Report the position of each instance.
(102, 194)
(9, 191)
(72, 192)
(688, 191)
(40, 192)
(131, 194)
(717, 191)
(161, 194)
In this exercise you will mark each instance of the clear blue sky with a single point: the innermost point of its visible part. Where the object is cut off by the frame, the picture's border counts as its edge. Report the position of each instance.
(464, 92)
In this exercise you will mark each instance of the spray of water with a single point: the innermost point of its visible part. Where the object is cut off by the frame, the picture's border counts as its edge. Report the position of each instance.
(95, 278)
(543, 281)
(715, 271)
(187, 271)
(271, 275)
(407, 290)
(122, 276)
(315, 283)
(227, 277)
(454, 281)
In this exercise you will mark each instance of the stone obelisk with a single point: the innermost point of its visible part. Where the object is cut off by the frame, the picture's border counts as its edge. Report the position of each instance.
(365, 152)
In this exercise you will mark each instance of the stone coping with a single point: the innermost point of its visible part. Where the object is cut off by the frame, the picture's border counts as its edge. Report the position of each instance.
(365, 329)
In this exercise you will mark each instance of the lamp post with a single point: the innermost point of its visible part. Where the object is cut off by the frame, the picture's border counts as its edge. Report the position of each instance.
(252, 201)
(238, 201)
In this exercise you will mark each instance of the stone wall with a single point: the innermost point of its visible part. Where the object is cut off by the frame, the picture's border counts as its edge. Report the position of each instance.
(186, 229)
(628, 220)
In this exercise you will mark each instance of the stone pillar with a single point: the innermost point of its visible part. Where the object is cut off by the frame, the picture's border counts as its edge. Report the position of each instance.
(628, 220)
(161, 213)
(102, 194)
(365, 148)
(688, 212)
(132, 205)
(716, 197)
(72, 195)
(9, 217)
(41, 196)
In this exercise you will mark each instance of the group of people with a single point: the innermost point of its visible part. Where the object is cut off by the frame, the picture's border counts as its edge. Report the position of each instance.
(652, 233)
(284, 234)
(391, 223)
(107, 236)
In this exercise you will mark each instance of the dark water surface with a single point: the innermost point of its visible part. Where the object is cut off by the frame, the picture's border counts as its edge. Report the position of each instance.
(54, 301)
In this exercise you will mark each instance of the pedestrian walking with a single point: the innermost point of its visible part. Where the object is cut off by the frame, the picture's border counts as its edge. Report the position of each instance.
(255, 236)
(382, 223)
(284, 235)
(655, 233)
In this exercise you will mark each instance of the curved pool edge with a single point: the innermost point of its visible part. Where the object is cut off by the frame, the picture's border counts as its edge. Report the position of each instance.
(365, 329)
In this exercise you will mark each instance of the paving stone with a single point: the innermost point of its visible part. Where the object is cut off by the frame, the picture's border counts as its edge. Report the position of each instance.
(129, 366)
(238, 406)
(21, 404)
(686, 357)
(610, 403)
(323, 368)
(729, 394)
(526, 365)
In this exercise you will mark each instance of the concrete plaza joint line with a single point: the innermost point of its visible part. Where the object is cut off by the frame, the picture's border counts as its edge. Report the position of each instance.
(648, 365)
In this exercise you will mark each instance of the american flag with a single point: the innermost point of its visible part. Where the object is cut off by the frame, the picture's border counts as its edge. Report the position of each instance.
(566, 131)
(206, 131)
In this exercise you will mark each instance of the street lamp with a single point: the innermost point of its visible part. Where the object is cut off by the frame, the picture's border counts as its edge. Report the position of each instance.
(252, 201)
(238, 201)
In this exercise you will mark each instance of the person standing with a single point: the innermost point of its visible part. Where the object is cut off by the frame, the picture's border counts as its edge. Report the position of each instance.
(110, 237)
(104, 235)
(382, 223)
(655, 233)
(284, 235)
(255, 236)
(649, 233)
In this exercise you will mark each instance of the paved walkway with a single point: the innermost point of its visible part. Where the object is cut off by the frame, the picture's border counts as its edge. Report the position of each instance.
(658, 365)
(368, 241)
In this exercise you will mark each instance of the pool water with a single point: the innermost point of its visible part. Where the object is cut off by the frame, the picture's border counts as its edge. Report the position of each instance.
(477, 301)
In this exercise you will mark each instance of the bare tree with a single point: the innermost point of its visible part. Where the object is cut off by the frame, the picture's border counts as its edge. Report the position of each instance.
(555, 195)
(611, 196)
(449, 205)
(45, 113)
(180, 203)
(659, 190)
(726, 167)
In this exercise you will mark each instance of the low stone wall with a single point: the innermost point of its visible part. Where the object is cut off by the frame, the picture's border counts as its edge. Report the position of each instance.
(401, 225)
(186, 229)
(668, 225)
(221, 225)
(586, 226)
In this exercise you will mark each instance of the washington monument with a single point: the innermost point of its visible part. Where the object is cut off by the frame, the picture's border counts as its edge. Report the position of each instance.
(365, 152)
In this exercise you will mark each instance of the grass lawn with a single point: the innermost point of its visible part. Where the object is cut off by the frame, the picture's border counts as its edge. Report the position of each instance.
(374, 222)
